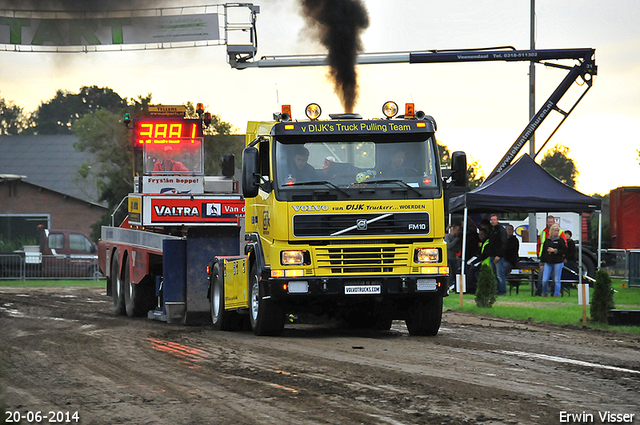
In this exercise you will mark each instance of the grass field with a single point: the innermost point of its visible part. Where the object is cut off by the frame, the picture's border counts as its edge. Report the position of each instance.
(560, 311)
(522, 306)
(53, 283)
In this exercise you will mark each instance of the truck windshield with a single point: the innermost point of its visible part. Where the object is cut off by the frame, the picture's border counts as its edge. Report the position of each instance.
(348, 164)
(174, 156)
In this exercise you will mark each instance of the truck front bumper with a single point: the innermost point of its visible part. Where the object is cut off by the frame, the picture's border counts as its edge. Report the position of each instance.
(400, 286)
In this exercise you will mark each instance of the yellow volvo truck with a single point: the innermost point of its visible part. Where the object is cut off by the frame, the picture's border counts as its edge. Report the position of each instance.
(343, 217)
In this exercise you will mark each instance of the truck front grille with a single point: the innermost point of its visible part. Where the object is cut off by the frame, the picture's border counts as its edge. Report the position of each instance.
(361, 259)
(358, 224)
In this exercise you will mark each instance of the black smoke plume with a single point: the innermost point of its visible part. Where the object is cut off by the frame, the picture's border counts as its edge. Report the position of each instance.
(339, 24)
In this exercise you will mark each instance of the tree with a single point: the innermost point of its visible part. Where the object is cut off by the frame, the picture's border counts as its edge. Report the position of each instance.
(475, 175)
(103, 134)
(444, 154)
(12, 118)
(602, 300)
(58, 115)
(558, 164)
(486, 287)
(219, 140)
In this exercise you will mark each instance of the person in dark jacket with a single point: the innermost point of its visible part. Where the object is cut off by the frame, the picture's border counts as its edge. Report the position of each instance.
(511, 255)
(571, 258)
(453, 239)
(300, 170)
(480, 255)
(497, 250)
(553, 252)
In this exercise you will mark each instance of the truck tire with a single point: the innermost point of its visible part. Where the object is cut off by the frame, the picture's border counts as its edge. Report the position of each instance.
(117, 289)
(222, 320)
(266, 316)
(134, 301)
(424, 317)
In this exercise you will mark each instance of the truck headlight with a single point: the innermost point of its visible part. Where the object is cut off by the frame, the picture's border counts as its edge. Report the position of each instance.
(427, 255)
(292, 258)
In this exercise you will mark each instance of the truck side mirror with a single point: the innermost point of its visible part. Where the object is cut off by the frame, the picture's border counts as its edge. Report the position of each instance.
(459, 168)
(250, 175)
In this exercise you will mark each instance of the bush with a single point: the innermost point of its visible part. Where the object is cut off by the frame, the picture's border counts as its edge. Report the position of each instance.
(486, 288)
(9, 245)
(602, 300)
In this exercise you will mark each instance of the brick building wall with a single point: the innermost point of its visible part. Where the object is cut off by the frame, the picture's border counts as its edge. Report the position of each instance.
(66, 212)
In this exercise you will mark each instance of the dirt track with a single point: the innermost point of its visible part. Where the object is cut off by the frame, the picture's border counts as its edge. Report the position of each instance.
(63, 350)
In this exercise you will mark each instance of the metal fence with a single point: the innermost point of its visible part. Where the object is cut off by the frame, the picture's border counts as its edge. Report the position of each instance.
(620, 268)
(19, 266)
(634, 267)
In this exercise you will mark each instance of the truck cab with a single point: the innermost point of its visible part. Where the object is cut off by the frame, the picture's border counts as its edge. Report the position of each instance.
(346, 217)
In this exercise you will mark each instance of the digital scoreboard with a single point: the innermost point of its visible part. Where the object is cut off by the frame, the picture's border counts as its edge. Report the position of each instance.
(169, 145)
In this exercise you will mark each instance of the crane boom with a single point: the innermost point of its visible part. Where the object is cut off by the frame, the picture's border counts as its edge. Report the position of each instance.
(508, 54)
(585, 69)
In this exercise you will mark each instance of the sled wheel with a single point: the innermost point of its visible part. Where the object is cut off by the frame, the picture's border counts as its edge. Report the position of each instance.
(117, 289)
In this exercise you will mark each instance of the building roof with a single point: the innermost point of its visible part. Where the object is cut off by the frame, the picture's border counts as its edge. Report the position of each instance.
(49, 161)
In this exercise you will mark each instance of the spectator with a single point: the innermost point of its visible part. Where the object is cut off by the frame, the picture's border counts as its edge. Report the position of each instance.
(542, 236)
(473, 241)
(453, 239)
(571, 259)
(511, 255)
(486, 224)
(497, 250)
(483, 235)
(553, 251)
(481, 255)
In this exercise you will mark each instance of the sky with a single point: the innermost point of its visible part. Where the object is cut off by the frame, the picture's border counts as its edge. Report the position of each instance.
(480, 108)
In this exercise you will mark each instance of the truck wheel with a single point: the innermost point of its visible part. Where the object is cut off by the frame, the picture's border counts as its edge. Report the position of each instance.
(424, 317)
(266, 316)
(133, 294)
(117, 289)
(222, 320)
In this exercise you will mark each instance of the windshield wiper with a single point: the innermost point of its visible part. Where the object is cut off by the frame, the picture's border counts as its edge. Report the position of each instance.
(324, 182)
(400, 182)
